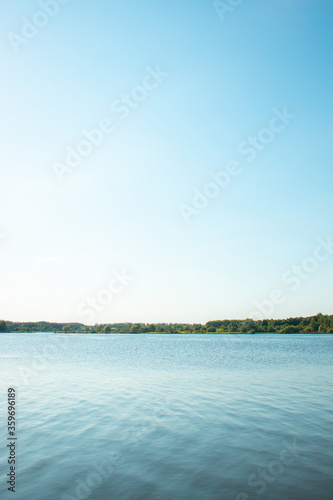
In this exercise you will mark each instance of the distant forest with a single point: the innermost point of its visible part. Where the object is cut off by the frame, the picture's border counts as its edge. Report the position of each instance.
(314, 324)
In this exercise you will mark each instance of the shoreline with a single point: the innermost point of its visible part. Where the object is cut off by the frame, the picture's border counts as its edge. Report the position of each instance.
(167, 333)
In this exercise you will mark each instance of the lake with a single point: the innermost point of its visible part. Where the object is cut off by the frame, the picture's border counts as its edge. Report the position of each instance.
(169, 417)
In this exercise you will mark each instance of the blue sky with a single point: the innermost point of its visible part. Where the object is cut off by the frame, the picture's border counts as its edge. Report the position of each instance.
(122, 208)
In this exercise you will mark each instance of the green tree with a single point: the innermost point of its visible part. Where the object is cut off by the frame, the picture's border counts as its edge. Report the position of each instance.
(107, 329)
(3, 326)
(290, 329)
(215, 324)
(249, 326)
(313, 324)
(66, 329)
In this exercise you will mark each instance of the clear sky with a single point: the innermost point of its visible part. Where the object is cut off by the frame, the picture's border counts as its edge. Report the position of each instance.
(183, 91)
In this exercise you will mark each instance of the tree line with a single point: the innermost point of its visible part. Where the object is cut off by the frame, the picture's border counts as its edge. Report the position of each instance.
(313, 324)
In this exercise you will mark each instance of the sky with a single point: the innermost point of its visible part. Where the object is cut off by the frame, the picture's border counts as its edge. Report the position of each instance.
(165, 161)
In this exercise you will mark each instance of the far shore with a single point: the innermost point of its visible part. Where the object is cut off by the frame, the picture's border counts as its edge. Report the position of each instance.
(173, 333)
(319, 324)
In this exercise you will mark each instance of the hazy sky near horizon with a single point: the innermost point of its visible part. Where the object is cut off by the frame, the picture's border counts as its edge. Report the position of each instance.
(184, 93)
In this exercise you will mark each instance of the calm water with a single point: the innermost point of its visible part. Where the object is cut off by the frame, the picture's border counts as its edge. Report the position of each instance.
(169, 417)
